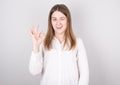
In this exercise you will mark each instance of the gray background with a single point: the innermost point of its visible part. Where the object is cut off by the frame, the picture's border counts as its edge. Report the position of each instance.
(97, 22)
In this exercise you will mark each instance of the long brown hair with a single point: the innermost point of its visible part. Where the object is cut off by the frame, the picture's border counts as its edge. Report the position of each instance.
(69, 36)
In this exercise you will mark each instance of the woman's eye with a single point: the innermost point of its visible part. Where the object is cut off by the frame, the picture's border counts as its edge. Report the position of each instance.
(62, 18)
(53, 19)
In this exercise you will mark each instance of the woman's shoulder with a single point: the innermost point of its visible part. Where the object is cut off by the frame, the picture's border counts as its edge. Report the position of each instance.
(80, 45)
(79, 42)
(79, 39)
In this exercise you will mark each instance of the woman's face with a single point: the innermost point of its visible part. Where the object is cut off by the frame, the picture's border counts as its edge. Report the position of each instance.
(59, 22)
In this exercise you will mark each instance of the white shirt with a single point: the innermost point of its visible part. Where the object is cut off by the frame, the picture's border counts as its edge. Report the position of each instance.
(59, 66)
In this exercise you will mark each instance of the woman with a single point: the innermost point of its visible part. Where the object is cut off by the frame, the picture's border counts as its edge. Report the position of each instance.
(58, 56)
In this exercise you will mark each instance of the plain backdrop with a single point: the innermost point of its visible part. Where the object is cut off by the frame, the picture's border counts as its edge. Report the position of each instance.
(97, 22)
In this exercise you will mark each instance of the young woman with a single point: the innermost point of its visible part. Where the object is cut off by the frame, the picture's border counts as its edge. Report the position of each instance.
(58, 56)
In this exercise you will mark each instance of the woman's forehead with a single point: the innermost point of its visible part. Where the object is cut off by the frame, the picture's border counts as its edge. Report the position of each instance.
(57, 14)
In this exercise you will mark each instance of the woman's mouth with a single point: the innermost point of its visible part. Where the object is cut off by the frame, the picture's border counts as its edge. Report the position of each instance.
(59, 27)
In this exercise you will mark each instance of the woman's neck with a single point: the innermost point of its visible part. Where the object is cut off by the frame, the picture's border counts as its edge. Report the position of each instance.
(60, 37)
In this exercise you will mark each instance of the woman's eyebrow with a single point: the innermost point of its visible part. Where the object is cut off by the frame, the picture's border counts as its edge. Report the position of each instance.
(59, 17)
(53, 17)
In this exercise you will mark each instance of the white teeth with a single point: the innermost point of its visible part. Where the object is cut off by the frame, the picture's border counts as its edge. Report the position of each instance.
(58, 27)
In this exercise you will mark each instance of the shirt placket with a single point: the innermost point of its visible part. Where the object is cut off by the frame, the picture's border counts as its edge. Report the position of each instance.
(59, 64)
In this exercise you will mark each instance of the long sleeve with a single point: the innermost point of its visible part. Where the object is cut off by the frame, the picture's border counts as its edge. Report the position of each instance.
(83, 64)
(36, 62)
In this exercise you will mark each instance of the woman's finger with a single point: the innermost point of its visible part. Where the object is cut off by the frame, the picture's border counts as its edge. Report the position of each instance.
(33, 30)
(42, 35)
(36, 29)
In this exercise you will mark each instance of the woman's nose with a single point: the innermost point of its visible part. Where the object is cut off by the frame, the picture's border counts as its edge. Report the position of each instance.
(58, 22)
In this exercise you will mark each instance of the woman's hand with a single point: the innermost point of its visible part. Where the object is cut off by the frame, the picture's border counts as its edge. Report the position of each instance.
(37, 38)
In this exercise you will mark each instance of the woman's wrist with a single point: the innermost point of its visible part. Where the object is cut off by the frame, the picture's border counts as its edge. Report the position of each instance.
(35, 48)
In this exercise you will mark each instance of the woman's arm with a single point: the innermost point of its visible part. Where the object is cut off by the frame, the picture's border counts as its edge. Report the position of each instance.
(82, 64)
(36, 62)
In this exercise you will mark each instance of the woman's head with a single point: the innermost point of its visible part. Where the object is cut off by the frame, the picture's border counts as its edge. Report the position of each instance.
(65, 14)
(59, 22)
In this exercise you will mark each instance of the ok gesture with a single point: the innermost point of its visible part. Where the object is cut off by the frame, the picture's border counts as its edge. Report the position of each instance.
(37, 38)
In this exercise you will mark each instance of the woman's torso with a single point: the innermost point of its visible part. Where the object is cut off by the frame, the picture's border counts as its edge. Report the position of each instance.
(60, 66)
